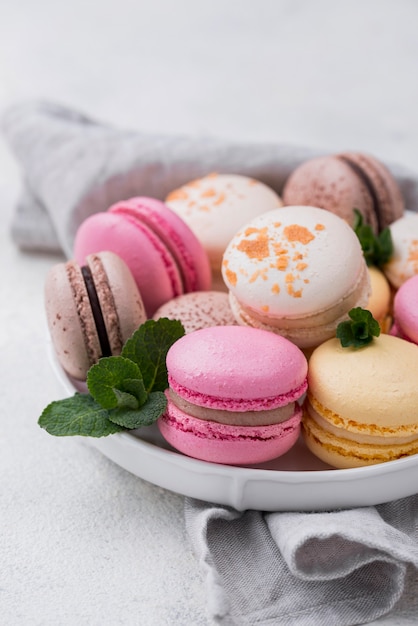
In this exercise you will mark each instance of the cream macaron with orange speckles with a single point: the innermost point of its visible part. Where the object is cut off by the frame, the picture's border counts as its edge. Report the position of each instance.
(296, 271)
(216, 206)
(404, 261)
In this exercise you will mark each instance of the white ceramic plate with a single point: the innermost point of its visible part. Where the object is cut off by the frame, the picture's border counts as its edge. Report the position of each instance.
(297, 481)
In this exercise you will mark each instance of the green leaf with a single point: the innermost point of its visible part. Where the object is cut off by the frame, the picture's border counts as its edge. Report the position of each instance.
(360, 330)
(148, 348)
(116, 382)
(145, 415)
(377, 249)
(78, 415)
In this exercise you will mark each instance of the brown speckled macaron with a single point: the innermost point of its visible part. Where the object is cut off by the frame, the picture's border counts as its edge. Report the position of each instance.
(347, 181)
(200, 309)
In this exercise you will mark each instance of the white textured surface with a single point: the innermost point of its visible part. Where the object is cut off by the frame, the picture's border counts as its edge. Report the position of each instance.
(82, 541)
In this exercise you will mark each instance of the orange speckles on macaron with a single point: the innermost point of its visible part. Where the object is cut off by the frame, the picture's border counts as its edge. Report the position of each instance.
(230, 275)
(265, 308)
(259, 274)
(298, 233)
(275, 288)
(282, 256)
(208, 193)
(293, 292)
(220, 199)
(320, 227)
(257, 248)
(301, 266)
(178, 194)
(413, 255)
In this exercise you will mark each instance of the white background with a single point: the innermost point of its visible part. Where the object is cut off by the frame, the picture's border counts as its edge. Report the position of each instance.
(81, 541)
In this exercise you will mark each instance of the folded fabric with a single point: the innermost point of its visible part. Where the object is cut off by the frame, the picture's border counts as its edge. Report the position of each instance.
(73, 166)
(304, 569)
(338, 567)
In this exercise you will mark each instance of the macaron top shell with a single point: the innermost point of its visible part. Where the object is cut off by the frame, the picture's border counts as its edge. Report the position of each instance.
(372, 389)
(293, 261)
(216, 205)
(244, 366)
(405, 308)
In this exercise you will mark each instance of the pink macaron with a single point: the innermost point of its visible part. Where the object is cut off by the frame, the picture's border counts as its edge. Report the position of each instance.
(233, 394)
(164, 256)
(405, 310)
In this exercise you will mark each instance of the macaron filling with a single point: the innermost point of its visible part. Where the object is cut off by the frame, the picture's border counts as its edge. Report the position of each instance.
(328, 446)
(96, 311)
(206, 429)
(355, 431)
(238, 405)
(234, 418)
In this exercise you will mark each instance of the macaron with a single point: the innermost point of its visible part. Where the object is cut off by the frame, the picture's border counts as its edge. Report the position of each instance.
(405, 310)
(404, 261)
(347, 181)
(200, 309)
(215, 207)
(233, 395)
(165, 257)
(380, 300)
(296, 271)
(362, 403)
(91, 310)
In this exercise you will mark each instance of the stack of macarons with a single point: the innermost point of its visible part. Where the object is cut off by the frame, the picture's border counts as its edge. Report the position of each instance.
(261, 282)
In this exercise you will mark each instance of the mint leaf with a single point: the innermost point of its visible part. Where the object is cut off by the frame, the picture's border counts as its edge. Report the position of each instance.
(377, 249)
(360, 331)
(78, 415)
(145, 415)
(148, 348)
(116, 382)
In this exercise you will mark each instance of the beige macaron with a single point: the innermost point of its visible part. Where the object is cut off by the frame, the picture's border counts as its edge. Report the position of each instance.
(362, 403)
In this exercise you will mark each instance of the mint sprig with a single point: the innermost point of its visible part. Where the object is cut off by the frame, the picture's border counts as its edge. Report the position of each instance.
(125, 392)
(377, 249)
(360, 330)
(78, 415)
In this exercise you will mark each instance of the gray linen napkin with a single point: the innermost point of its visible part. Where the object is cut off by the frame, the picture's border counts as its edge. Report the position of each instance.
(305, 569)
(338, 567)
(73, 166)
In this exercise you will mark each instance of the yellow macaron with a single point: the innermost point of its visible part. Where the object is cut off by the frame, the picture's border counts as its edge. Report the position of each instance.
(362, 403)
(380, 300)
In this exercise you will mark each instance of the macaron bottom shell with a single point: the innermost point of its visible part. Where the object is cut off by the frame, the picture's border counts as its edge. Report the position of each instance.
(231, 445)
(344, 453)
